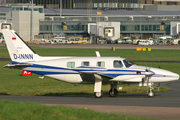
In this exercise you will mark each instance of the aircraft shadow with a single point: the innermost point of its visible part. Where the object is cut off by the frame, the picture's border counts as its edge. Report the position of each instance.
(88, 95)
(68, 93)
(4, 94)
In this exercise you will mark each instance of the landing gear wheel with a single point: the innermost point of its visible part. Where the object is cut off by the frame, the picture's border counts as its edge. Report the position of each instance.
(151, 94)
(113, 94)
(98, 94)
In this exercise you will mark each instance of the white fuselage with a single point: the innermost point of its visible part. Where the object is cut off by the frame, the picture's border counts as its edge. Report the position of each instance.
(71, 69)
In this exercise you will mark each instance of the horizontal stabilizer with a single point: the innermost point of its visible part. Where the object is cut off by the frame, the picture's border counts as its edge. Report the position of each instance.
(17, 65)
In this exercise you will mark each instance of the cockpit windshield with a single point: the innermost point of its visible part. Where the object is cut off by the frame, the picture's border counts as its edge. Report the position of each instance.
(128, 63)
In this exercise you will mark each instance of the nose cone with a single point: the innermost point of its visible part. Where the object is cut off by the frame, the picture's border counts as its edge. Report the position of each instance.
(158, 75)
(176, 76)
(163, 75)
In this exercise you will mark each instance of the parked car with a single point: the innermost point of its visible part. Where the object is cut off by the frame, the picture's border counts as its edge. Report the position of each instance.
(109, 41)
(118, 41)
(145, 42)
(127, 40)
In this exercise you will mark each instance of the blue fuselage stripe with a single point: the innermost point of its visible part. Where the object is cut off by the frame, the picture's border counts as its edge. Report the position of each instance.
(50, 73)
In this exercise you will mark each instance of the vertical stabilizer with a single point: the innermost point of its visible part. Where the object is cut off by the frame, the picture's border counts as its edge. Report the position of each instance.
(18, 50)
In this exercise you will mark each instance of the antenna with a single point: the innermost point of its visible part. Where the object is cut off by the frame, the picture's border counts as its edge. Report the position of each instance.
(159, 62)
(98, 54)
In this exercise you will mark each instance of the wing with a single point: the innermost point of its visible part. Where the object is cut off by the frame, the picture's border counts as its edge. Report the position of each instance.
(92, 71)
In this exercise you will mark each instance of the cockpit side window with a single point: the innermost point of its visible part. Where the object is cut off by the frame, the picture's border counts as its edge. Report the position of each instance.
(128, 63)
(117, 64)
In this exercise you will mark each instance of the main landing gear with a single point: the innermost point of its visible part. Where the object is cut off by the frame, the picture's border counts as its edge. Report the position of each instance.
(113, 91)
(98, 93)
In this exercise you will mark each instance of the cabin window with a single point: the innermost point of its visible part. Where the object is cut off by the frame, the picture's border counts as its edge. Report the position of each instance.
(85, 63)
(118, 64)
(100, 64)
(71, 64)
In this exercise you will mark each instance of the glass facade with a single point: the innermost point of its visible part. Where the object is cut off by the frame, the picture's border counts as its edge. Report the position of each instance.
(126, 29)
(107, 4)
(58, 27)
(23, 8)
(45, 28)
(145, 28)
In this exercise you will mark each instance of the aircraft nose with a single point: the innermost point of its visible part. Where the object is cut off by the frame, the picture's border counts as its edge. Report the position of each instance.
(177, 75)
(164, 75)
(173, 76)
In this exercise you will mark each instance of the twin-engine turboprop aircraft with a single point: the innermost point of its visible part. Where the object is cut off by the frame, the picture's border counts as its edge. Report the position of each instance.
(96, 70)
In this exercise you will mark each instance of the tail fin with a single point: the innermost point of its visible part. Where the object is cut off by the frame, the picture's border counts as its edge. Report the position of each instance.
(18, 50)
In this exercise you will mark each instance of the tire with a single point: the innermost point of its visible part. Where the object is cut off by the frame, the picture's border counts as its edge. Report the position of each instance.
(138, 43)
(98, 94)
(111, 94)
(151, 94)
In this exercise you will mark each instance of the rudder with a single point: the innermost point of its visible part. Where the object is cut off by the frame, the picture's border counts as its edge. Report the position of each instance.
(18, 50)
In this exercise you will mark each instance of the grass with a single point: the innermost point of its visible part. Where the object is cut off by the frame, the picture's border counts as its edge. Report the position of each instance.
(154, 55)
(131, 54)
(33, 111)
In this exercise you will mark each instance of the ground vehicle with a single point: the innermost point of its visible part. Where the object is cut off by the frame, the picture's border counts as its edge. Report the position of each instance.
(118, 41)
(145, 42)
(2, 41)
(136, 41)
(59, 40)
(127, 40)
(166, 40)
(176, 41)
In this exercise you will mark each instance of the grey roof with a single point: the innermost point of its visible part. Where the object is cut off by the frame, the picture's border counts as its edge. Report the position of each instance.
(161, 12)
(77, 12)
(81, 12)
(4, 9)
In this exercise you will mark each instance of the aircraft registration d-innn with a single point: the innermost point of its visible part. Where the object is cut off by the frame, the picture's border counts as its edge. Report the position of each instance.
(95, 70)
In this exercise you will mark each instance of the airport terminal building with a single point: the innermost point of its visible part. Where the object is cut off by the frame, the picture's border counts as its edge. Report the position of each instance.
(142, 24)
(96, 4)
(87, 22)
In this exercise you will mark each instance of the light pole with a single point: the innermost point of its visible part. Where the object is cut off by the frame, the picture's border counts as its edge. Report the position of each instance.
(32, 21)
(60, 7)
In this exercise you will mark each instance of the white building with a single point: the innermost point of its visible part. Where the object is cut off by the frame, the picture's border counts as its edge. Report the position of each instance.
(20, 17)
